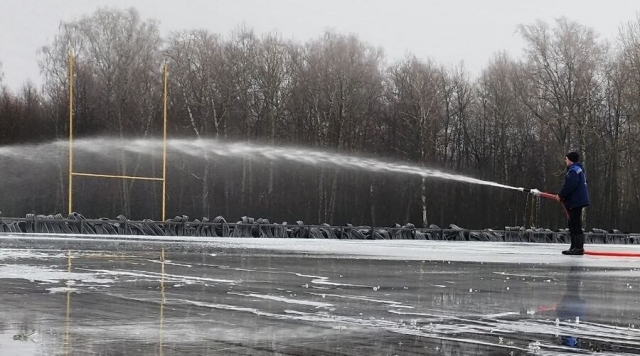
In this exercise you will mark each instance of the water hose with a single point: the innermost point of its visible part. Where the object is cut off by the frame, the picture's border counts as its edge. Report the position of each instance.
(612, 253)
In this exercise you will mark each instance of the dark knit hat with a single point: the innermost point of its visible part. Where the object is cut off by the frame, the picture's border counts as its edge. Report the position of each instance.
(573, 156)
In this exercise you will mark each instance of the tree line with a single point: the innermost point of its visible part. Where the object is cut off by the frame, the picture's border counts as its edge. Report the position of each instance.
(512, 123)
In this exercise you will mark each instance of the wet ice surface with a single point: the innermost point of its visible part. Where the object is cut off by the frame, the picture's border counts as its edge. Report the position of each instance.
(321, 297)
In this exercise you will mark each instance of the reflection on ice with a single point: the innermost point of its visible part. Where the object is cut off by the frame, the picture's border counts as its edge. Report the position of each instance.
(249, 299)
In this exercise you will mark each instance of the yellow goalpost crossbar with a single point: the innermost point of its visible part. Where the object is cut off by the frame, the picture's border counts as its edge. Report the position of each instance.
(114, 176)
(72, 174)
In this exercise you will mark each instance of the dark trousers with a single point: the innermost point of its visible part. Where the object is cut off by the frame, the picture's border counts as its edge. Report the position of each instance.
(575, 221)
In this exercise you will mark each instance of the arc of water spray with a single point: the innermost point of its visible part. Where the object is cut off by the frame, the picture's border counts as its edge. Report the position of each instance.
(196, 148)
(312, 157)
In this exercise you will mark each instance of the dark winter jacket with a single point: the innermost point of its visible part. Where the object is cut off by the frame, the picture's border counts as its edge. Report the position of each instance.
(574, 192)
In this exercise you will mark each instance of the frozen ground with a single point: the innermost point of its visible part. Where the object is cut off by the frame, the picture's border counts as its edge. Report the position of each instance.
(93, 295)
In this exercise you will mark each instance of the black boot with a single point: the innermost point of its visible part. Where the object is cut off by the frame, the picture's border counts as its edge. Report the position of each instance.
(578, 247)
(573, 244)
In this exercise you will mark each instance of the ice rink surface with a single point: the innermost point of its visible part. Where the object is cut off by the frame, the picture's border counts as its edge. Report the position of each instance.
(81, 295)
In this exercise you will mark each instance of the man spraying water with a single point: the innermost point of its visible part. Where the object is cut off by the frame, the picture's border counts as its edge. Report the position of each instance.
(574, 195)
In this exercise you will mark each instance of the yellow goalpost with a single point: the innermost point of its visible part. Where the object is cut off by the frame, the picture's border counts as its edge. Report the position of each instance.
(73, 174)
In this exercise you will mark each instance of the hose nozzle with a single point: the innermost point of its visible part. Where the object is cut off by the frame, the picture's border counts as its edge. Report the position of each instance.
(535, 192)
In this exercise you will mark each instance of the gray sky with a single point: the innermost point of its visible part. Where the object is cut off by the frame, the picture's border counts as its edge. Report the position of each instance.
(448, 31)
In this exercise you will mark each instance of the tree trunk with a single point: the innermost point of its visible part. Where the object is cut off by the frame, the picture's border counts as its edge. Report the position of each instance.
(372, 201)
(333, 197)
(423, 189)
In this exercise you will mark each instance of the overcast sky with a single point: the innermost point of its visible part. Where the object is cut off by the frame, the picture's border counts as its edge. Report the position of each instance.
(447, 31)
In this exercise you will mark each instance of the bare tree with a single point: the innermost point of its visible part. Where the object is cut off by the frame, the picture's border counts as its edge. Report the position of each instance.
(562, 66)
(345, 78)
(415, 96)
(273, 78)
(195, 59)
(629, 112)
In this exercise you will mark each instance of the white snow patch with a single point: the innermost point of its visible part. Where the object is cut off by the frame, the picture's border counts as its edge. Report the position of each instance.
(364, 298)
(286, 300)
(62, 290)
(167, 262)
(15, 254)
(169, 278)
(47, 275)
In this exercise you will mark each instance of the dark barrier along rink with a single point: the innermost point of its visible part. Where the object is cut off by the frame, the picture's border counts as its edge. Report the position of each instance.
(248, 227)
(143, 295)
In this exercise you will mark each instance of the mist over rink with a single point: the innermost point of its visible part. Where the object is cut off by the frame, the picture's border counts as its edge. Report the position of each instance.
(299, 297)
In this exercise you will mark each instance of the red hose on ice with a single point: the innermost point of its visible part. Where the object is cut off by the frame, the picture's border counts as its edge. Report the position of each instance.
(613, 253)
(593, 253)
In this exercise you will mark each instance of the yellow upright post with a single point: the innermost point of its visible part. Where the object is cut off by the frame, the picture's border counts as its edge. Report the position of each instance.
(164, 142)
(70, 131)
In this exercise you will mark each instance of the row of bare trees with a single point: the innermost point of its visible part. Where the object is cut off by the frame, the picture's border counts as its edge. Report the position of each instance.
(511, 124)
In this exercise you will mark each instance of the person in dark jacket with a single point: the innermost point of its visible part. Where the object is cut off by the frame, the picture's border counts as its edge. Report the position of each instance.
(574, 195)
